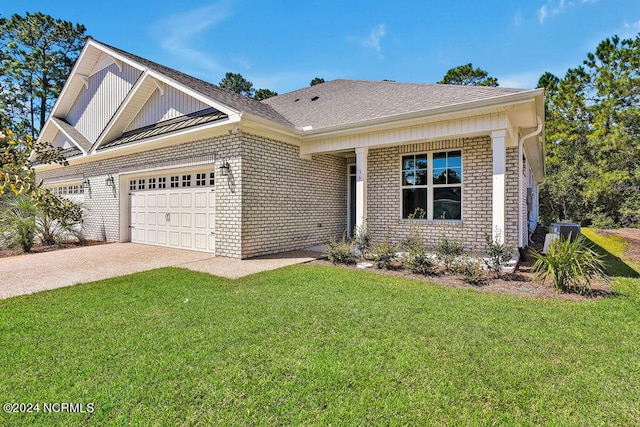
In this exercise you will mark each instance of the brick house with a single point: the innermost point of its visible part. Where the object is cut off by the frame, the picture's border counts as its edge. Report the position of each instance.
(162, 158)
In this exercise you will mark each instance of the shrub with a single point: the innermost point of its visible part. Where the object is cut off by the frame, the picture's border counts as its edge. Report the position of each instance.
(470, 270)
(499, 254)
(418, 258)
(385, 253)
(363, 238)
(18, 222)
(341, 251)
(571, 265)
(448, 251)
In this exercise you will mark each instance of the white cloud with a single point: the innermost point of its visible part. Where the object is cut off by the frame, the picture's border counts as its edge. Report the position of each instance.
(517, 19)
(177, 34)
(542, 14)
(634, 26)
(556, 7)
(527, 80)
(373, 41)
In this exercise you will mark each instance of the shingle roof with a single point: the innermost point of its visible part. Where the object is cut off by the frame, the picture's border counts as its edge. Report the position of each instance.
(73, 133)
(193, 119)
(227, 97)
(342, 102)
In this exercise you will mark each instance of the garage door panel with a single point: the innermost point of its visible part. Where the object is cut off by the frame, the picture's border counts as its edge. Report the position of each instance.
(177, 217)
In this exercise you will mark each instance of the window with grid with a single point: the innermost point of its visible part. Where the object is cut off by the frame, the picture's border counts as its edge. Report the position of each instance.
(175, 181)
(201, 179)
(186, 180)
(141, 183)
(152, 183)
(432, 186)
(162, 182)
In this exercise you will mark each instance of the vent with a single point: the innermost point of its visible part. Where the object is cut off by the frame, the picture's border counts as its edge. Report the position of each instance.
(315, 98)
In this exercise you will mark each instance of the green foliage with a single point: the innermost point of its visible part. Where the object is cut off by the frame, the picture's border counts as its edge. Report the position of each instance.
(18, 223)
(571, 265)
(264, 94)
(418, 259)
(593, 138)
(316, 81)
(237, 83)
(340, 251)
(466, 75)
(470, 270)
(498, 254)
(37, 53)
(363, 238)
(385, 253)
(448, 250)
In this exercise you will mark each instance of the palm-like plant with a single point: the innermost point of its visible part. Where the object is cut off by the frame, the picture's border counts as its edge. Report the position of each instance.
(18, 222)
(570, 264)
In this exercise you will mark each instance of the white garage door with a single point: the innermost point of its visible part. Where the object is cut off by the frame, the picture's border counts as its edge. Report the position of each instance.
(178, 217)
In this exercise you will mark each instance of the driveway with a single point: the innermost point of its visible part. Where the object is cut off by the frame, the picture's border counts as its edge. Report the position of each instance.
(26, 274)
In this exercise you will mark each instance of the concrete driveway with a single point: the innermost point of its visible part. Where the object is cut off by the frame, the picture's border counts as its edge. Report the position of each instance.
(26, 274)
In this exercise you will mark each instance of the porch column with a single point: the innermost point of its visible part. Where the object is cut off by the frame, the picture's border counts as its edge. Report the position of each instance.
(361, 185)
(498, 144)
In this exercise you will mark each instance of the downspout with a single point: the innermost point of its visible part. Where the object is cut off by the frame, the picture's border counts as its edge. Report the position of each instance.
(520, 165)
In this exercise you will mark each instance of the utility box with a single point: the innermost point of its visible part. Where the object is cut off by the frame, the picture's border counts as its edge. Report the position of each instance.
(566, 229)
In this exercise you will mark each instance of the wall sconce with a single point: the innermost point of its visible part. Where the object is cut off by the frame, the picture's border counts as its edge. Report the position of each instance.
(86, 183)
(110, 182)
(224, 168)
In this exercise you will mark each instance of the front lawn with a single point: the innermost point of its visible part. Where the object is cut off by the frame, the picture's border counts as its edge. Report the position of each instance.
(317, 345)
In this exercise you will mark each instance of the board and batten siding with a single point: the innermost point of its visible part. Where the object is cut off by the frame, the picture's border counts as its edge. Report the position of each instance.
(95, 105)
(173, 103)
(61, 140)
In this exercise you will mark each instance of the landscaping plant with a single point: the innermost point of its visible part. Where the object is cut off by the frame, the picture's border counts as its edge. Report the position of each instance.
(571, 265)
(341, 251)
(499, 254)
(448, 250)
(363, 238)
(385, 253)
(418, 259)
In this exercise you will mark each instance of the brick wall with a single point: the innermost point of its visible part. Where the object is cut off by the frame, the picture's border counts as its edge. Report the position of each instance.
(511, 204)
(384, 193)
(289, 202)
(102, 203)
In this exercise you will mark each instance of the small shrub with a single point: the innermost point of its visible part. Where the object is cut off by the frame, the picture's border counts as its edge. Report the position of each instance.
(418, 258)
(571, 265)
(470, 270)
(447, 251)
(499, 254)
(363, 238)
(385, 254)
(341, 251)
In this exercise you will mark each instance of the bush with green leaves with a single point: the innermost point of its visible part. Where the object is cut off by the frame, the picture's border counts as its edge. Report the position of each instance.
(470, 270)
(498, 253)
(363, 238)
(417, 258)
(571, 265)
(385, 253)
(340, 251)
(18, 222)
(448, 250)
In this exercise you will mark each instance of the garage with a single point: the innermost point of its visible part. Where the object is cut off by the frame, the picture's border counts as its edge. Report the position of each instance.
(175, 210)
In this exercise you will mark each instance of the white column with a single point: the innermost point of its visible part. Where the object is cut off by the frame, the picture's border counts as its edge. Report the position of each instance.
(498, 143)
(361, 185)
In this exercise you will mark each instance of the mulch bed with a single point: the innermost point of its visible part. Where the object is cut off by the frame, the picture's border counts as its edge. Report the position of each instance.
(519, 283)
(41, 248)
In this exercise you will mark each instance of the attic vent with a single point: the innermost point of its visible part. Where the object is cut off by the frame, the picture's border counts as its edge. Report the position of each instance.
(315, 98)
(296, 100)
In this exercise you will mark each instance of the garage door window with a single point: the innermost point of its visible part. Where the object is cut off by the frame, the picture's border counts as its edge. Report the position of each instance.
(186, 180)
(200, 179)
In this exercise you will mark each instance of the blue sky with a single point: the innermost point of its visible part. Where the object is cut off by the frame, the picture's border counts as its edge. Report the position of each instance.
(282, 45)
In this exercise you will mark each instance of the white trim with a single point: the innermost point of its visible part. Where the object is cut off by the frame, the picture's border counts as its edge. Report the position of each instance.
(499, 156)
(349, 203)
(61, 129)
(362, 154)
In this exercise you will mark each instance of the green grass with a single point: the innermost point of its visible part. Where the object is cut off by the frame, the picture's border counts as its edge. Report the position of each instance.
(317, 345)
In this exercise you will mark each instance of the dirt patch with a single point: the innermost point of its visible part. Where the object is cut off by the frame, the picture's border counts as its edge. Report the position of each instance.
(42, 248)
(519, 283)
(631, 236)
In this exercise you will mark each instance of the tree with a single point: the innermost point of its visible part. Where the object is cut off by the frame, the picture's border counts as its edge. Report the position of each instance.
(236, 83)
(316, 81)
(18, 177)
(264, 94)
(37, 53)
(466, 75)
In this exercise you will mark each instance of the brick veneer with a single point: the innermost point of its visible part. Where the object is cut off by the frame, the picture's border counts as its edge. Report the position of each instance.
(384, 193)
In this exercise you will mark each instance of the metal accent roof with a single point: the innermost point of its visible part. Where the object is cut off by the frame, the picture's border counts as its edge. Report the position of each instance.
(193, 119)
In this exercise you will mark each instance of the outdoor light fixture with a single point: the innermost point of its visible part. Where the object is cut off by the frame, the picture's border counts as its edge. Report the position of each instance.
(225, 167)
(110, 182)
(86, 183)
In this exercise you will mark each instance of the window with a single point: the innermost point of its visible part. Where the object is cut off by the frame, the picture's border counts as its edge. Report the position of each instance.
(141, 184)
(132, 185)
(432, 185)
(186, 180)
(162, 182)
(212, 178)
(152, 183)
(175, 181)
(201, 179)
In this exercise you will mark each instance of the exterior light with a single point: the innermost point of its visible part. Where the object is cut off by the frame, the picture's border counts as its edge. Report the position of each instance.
(225, 167)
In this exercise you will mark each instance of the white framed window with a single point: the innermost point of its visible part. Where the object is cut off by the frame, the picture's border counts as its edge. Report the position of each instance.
(132, 185)
(201, 179)
(432, 185)
(186, 180)
(175, 181)
(212, 178)
(152, 183)
(141, 184)
(162, 182)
